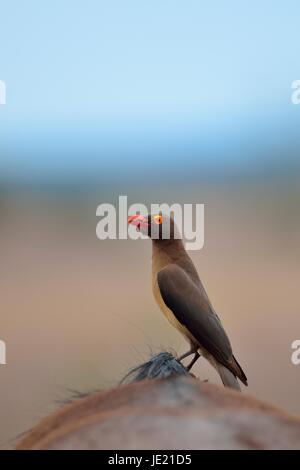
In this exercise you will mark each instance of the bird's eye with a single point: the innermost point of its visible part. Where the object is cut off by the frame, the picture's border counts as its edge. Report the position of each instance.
(158, 219)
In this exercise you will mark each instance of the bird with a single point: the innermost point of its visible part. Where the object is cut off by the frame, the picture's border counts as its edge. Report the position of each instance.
(181, 296)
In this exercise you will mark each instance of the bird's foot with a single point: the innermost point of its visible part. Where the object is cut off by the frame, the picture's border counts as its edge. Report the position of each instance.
(188, 353)
(195, 358)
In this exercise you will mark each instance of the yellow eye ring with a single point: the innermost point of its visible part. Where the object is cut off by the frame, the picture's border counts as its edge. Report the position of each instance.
(158, 219)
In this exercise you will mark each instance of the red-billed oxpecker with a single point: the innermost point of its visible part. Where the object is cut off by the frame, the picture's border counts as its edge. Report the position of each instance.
(181, 296)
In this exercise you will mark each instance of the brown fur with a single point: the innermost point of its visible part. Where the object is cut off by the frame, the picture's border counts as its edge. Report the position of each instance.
(177, 413)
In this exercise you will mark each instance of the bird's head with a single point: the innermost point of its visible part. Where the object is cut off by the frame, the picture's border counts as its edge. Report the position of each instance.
(155, 226)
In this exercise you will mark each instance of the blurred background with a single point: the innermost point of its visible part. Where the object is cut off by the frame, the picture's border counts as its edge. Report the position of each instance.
(163, 101)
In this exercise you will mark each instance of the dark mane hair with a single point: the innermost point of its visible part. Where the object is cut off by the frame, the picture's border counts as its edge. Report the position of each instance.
(159, 366)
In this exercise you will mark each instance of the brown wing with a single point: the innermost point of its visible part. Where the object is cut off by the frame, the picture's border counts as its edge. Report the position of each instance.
(193, 310)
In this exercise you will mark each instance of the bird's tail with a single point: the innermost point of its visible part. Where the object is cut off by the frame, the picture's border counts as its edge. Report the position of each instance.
(228, 378)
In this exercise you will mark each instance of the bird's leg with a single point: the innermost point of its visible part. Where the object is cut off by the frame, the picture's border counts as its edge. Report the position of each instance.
(196, 357)
(188, 353)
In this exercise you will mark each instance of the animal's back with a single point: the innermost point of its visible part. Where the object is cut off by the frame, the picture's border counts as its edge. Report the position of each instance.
(175, 413)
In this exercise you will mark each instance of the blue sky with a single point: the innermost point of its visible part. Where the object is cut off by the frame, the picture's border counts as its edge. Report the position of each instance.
(120, 82)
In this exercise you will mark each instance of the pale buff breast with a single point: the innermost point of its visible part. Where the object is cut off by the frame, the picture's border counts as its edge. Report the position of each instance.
(174, 322)
(160, 260)
(158, 263)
